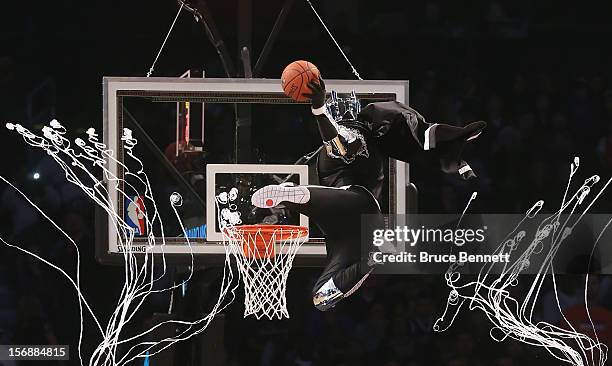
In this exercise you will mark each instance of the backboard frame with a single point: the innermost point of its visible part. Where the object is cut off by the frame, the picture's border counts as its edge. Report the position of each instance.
(222, 91)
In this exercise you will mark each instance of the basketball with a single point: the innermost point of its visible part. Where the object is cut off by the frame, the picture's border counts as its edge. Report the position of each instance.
(295, 79)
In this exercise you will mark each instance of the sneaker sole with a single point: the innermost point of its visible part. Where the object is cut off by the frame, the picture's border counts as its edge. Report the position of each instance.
(272, 195)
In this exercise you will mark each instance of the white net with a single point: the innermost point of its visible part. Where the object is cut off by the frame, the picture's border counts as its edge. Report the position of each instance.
(264, 254)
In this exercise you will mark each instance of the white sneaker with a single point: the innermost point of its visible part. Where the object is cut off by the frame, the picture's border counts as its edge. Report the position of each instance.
(272, 195)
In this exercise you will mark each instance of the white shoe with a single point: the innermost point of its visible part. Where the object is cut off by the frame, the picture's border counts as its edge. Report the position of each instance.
(272, 195)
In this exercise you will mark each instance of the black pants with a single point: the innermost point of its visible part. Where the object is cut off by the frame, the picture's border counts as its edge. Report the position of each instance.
(338, 212)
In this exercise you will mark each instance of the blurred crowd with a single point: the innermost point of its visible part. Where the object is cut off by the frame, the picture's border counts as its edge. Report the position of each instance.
(389, 322)
(537, 77)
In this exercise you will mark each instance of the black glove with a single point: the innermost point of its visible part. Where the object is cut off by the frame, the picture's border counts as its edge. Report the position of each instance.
(317, 96)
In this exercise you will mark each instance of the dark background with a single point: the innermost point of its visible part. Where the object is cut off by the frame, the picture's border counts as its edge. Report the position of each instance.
(537, 71)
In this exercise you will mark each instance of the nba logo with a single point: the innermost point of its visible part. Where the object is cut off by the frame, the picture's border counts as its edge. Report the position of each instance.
(134, 214)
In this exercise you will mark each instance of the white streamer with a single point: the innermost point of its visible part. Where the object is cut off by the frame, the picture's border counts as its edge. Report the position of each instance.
(76, 162)
(490, 293)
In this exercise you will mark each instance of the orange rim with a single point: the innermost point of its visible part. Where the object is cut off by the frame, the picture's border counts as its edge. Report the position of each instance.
(285, 231)
(256, 238)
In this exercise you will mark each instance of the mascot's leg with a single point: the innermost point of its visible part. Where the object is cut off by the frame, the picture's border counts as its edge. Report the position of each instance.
(402, 133)
(338, 212)
(333, 209)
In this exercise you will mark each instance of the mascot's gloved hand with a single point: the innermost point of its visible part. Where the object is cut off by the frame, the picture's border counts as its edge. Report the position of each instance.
(317, 95)
(326, 128)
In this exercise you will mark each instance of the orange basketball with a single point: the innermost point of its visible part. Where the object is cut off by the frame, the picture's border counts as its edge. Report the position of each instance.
(295, 78)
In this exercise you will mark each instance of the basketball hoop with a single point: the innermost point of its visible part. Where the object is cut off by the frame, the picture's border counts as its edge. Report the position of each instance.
(264, 254)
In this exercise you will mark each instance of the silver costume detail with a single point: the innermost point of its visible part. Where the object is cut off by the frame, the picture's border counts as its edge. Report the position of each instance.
(343, 109)
(327, 296)
(349, 143)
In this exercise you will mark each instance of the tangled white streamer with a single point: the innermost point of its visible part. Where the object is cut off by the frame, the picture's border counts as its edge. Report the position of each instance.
(79, 164)
(512, 318)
